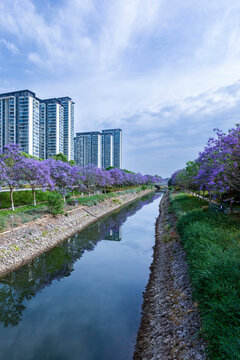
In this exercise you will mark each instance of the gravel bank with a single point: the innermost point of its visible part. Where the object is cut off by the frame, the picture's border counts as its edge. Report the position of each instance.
(170, 319)
(19, 246)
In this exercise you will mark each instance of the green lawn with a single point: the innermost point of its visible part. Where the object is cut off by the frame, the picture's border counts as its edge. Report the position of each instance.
(182, 203)
(21, 198)
(25, 197)
(212, 244)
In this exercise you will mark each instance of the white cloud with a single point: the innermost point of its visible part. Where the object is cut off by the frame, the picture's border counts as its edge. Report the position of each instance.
(158, 140)
(156, 68)
(123, 22)
(10, 46)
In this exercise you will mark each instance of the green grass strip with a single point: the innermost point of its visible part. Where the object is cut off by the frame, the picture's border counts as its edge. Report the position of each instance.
(212, 244)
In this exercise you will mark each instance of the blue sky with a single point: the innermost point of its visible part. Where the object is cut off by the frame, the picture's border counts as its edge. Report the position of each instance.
(166, 71)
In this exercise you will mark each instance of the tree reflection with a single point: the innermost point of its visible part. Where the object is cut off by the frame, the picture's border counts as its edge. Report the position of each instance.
(20, 286)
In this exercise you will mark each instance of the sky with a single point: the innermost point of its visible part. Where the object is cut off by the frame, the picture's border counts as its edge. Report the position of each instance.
(167, 72)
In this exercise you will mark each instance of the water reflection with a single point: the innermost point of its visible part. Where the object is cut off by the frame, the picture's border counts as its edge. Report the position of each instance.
(114, 235)
(19, 287)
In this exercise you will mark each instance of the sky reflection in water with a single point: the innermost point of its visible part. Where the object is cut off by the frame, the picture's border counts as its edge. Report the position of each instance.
(82, 300)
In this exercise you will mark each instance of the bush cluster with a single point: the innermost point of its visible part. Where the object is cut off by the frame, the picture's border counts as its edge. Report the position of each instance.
(212, 244)
(55, 203)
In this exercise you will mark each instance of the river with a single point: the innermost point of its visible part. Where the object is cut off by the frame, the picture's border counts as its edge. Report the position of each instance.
(82, 300)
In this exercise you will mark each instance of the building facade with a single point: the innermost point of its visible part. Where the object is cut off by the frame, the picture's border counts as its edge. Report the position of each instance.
(68, 126)
(19, 120)
(42, 128)
(54, 120)
(107, 150)
(116, 146)
(87, 148)
(101, 149)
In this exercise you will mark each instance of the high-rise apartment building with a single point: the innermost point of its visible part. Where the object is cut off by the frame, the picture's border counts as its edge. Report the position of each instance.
(107, 150)
(54, 119)
(117, 147)
(42, 128)
(68, 127)
(19, 120)
(87, 148)
(101, 149)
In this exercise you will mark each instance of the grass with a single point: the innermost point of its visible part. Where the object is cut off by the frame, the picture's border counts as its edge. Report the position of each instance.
(22, 209)
(24, 197)
(182, 203)
(9, 219)
(95, 199)
(212, 244)
(91, 200)
(26, 213)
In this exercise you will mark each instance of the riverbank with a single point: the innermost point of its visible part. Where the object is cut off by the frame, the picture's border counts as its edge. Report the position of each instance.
(21, 245)
(212, 244)
(170, 319)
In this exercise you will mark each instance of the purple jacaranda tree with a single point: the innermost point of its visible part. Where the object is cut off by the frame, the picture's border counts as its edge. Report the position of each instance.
(117, 176)
(219, 164)
(128, 179)
(179, 179)
(80, 183)
(61, 175)
(75, 179)
(90, 177)
(16, 170)
(225, 152)
(108, 179)
(10, 157)
(217, 169)
(103, 179)
(36, 174)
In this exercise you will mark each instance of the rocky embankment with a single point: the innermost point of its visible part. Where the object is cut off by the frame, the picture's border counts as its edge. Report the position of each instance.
(19, 246)
(170, 319)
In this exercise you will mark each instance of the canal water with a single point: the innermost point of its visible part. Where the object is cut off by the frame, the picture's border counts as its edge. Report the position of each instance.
(82, 300)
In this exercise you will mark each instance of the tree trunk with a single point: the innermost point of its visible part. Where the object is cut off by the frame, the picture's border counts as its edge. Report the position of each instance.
(34, 197)
(231, 206)
(210, 197)
(11, 195)
(73, 194)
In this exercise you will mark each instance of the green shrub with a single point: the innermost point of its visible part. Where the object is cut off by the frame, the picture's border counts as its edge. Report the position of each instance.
(117, 201)
(3, 224)
(55, 204)
(212, 244)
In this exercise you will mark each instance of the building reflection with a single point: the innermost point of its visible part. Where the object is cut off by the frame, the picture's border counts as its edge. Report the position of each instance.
(114, 235)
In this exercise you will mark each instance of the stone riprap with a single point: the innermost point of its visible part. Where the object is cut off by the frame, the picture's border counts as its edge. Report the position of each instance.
(21, 245)
(170, 322)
